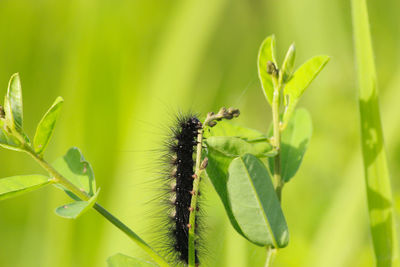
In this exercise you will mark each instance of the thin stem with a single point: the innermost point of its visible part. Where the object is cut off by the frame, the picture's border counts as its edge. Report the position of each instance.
(277, 142)
(277, 82)
(193, 204)
(210, 121)
(270, 255)
(58, 178)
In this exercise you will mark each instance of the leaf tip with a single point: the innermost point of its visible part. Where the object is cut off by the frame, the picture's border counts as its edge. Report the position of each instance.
(15, 76)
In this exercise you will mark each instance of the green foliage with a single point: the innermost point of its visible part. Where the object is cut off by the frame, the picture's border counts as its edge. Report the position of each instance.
(217, 171)
(77, 208)
(294, 144)
(13, 103)
(288, 64)
(12, 135)
(241, 179)
(265, 54)
(78, 171)
(379, 192)
(121, 260)
(225, 143)
(7, 140)
(226, 128)
(70, 173)
(17, 185)
(301, 79)
(235, 146)
(254, 203)
(46, 126)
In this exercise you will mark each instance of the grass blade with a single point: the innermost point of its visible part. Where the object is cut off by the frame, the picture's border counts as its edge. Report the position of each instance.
(375, 165)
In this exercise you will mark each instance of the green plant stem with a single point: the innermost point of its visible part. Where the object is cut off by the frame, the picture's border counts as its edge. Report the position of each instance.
(193, 203)
(58, 178)
(270, 254)
(277, 159)
(277, 142)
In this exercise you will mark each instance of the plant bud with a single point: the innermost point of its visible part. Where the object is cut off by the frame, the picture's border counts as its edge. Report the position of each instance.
(271, 69)
(204, 163)
(212, 123)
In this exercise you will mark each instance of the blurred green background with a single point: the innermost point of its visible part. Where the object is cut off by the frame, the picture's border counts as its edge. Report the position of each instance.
(123, 67)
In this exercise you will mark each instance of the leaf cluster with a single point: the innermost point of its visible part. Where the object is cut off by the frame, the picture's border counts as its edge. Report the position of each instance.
(242, 160)
(72, 165)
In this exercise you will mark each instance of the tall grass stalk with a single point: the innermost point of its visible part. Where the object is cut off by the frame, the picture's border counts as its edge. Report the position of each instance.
(379, 193)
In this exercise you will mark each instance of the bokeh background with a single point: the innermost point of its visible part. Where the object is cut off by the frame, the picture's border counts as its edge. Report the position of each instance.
(123, 67)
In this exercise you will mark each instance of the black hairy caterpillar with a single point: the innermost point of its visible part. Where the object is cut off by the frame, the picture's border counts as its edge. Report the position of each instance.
(180, 188)
(179, 177)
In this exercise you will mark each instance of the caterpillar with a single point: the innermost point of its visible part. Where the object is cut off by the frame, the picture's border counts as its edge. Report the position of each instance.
(179, 176)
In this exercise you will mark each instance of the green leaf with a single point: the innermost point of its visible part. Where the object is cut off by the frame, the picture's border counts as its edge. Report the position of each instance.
(294, 143)
(255, 204)
(377, 179)
(77, 208)
(46, 126)
(77, 170)
(17, 185)
(221, 150)
(266, 53)
(121, 260)
(7, 141)
(234, 147)
(226, 128)
(301, 79)
(217, 171)
(288, 64)
(13, 103)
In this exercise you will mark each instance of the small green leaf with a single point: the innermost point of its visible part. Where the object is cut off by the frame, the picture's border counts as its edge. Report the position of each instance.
(234, 147)
(77, 208)
(17, 185)
(121, 260)
(77, 170)
(226, 128)
(46, 126)
(288, 64)
(294, 143)
(13, 103)
(301, 79)
(265, 54)
(305, 75)
(255, 204)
